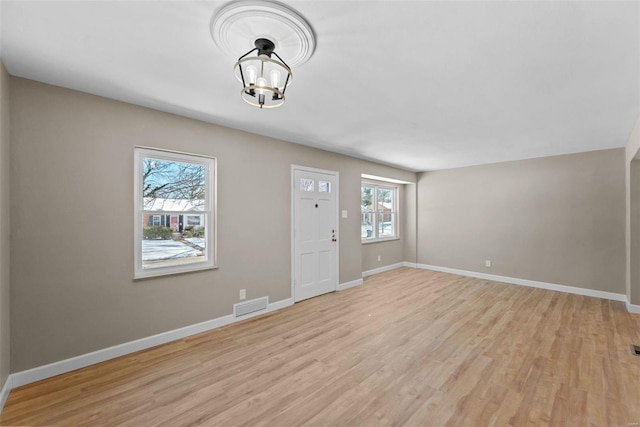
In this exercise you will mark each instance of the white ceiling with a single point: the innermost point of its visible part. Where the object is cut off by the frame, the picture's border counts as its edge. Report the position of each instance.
(420, 85)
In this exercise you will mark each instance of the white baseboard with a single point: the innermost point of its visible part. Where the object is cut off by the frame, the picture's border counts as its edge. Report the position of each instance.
(410, 264)
(6, 389)
(351, 284)
(275, 306)
(71, 364)
(382, 269)
(532, 283)
(632, 308)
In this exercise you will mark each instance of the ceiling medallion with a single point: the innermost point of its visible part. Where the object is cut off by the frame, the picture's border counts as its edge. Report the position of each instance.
(262, 27)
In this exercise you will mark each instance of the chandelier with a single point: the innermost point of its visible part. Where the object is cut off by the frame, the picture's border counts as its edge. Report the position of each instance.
(267, 26)
(264, 79)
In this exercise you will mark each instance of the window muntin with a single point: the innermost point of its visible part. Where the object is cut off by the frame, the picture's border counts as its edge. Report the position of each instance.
(378, 212)
(324, 186)
(307, 185)
(175, 212)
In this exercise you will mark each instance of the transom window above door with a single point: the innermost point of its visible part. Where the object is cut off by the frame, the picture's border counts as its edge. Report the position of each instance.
(309, 185)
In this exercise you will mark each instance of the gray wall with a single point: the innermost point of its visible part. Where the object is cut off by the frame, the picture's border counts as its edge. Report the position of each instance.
(632, 169)
(557, 219)
(72, 197)
(634, 233)
(5, 303)
(391, 252)
(409, 229)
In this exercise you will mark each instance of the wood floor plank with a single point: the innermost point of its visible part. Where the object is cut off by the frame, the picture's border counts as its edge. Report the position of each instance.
(409, 347)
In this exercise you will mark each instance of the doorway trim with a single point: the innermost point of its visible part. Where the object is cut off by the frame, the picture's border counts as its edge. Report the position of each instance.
(294, 168)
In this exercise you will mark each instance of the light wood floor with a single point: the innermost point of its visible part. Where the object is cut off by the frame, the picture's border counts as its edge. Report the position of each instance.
(410, 347)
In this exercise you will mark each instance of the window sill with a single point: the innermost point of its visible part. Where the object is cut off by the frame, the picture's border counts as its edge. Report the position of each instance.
(153, 274)
(390, 239)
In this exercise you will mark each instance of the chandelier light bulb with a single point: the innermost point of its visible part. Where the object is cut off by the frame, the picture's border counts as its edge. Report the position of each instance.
(262, 82)
(275, 78)
(252, 71)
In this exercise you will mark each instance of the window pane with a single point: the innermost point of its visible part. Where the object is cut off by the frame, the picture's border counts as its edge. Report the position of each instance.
(306, 184)
(163, 247)
(324, 187)
(366, 203)
(385, 200)
(386, 225)
(378, 206)
(367, 225)
(173, 186)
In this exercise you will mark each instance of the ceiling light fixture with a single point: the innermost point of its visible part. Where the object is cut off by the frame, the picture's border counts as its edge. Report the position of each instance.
(264, 27)
(264, 79)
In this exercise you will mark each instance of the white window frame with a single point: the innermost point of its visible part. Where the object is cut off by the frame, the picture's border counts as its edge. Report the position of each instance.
(209, 260)
(375, 237)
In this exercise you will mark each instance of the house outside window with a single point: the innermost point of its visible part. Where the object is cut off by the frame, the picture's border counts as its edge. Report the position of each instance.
(194, 221)
(379, 211)
(174, 212)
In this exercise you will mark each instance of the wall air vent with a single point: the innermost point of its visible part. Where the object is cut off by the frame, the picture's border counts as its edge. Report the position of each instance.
(247, 307)
(635, 350)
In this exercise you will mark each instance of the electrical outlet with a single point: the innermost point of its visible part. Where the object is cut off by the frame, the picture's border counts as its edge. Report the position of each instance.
(379, 258)
(243, 294)
(487, 263)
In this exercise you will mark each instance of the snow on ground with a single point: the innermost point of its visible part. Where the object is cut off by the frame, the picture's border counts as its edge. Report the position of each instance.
(196, 241)
(153, 250)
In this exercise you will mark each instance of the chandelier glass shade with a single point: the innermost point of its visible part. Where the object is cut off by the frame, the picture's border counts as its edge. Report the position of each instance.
(264, 78)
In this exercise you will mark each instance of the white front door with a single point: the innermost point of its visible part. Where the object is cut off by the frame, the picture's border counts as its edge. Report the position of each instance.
(315, 233)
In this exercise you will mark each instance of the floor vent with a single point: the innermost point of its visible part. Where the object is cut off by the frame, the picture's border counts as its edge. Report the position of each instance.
(245, 307)
(635, 350)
